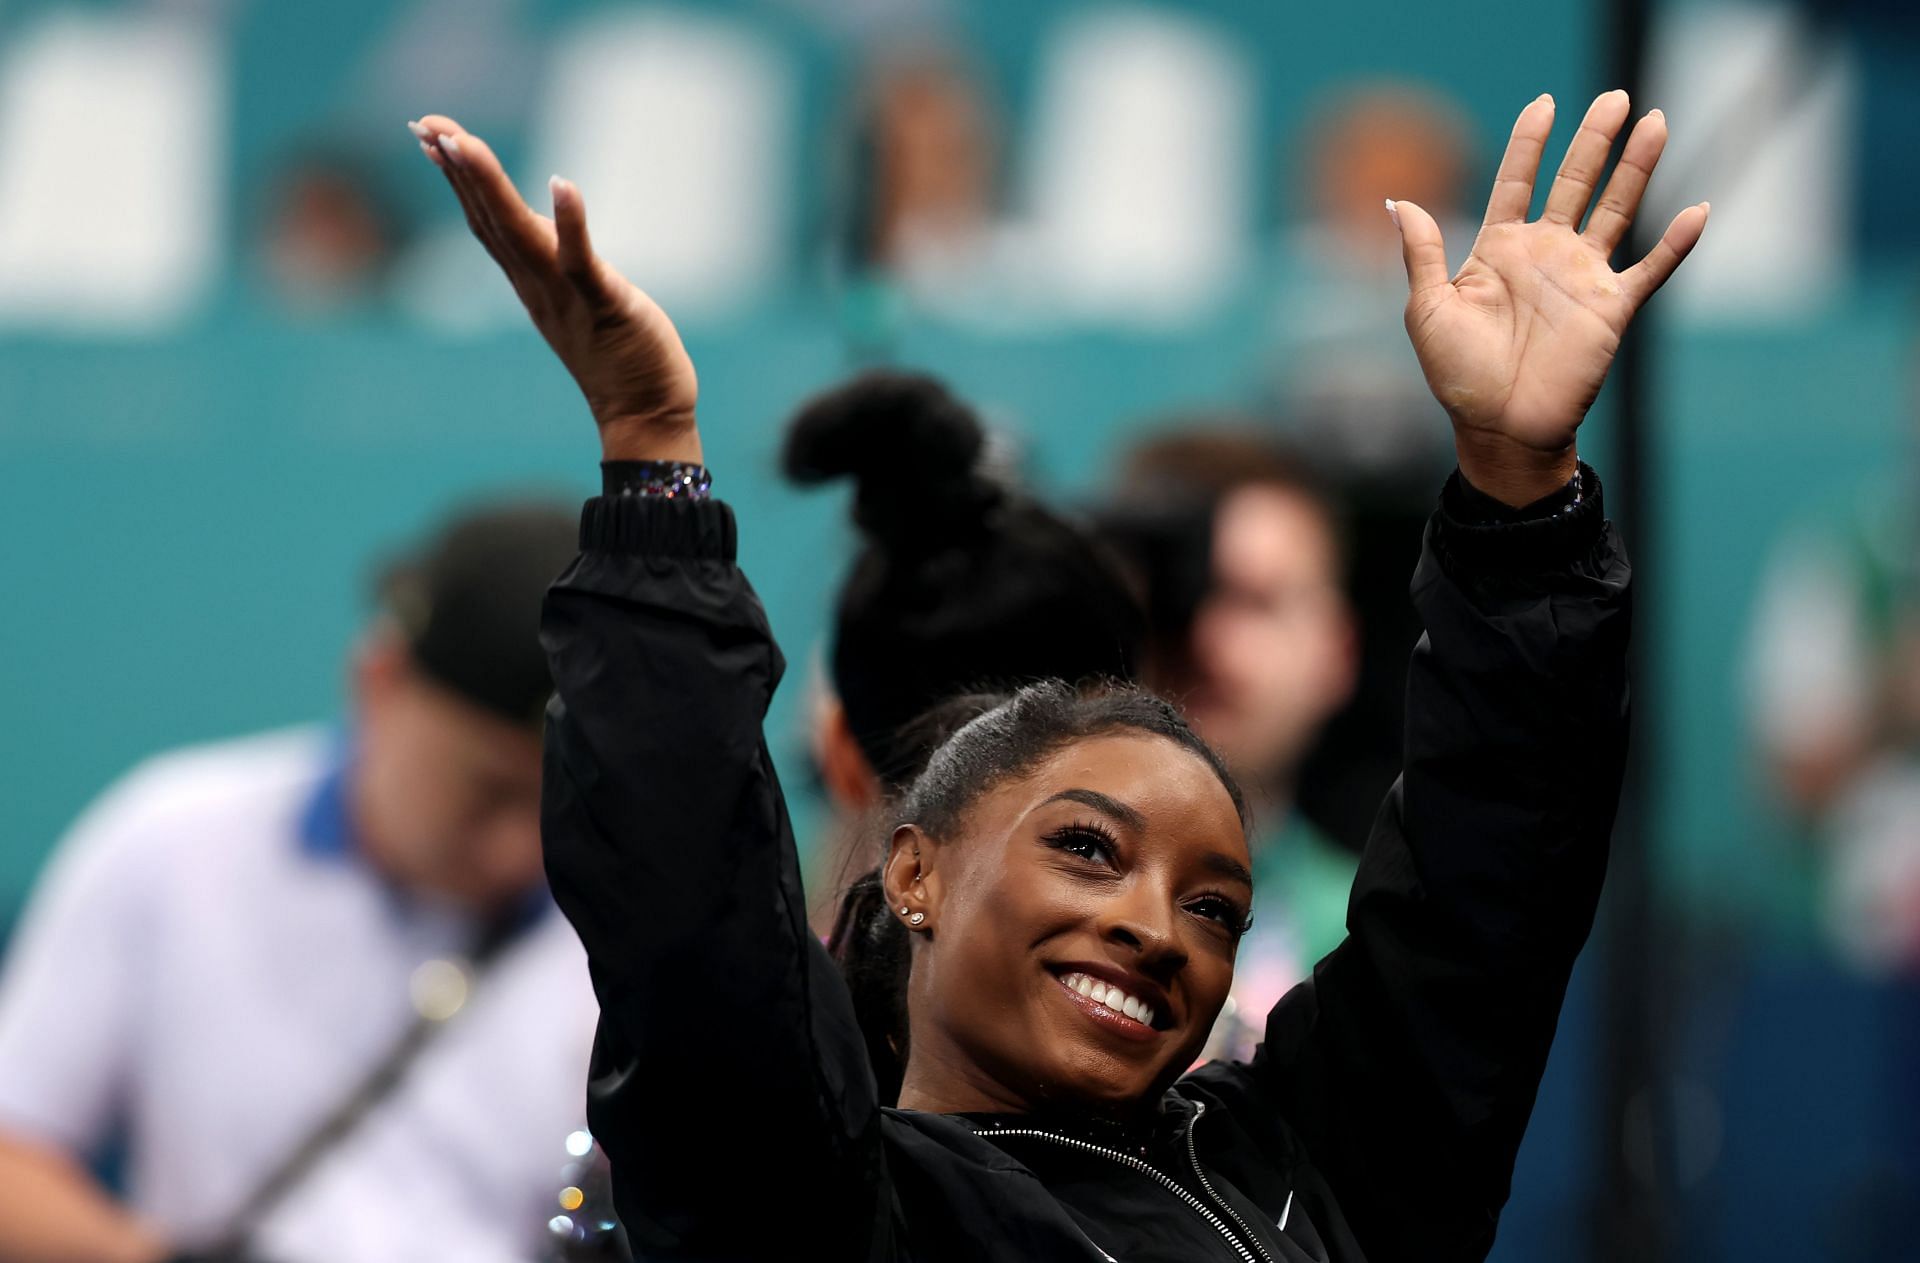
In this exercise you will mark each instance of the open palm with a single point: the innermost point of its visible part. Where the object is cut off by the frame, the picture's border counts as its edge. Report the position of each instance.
(1516, 345)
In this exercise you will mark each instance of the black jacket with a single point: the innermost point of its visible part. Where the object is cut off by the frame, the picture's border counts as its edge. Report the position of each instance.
(1379, 1120)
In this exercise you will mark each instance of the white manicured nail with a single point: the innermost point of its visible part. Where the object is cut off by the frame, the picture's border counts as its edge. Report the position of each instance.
(419, 130)
(450, 146)
(1393, 213)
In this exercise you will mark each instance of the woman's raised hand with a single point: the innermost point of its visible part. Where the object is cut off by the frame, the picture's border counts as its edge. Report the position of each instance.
(617, 343)
(1516, 345)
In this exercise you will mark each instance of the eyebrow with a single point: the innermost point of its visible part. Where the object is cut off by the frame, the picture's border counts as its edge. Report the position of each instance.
(1102, 803)
(1220, 865)
(1228, 867)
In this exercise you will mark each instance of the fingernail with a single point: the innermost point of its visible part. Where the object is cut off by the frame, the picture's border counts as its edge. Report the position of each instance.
(1544, 96)
(419, 130)
(450, 146)
(1393, 213)
(556, 189)
(433, 155)
(1657, 113)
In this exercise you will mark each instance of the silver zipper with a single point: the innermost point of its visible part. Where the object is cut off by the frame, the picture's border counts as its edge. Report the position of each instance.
(1200, 1109)
(1166, 1181)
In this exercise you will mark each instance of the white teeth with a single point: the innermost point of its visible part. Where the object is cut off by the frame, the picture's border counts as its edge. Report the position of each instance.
(1111, 997)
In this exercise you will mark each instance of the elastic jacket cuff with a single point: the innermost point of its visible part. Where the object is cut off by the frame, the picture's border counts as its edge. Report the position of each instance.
(1548, 534)
(698, 530)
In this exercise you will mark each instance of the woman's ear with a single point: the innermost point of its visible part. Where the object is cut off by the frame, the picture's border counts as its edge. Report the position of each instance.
(908, 878)
(844, 769)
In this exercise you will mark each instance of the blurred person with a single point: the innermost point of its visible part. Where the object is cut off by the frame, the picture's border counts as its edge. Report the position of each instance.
(1261, 657)
(1335, 363)
(1070, 873)
(918, 221)
(962, 582)
(310, 984)
(1833, 686)
(928, 134)
(329, 238)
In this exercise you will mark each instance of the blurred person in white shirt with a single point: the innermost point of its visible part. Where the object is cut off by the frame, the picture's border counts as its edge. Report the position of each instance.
(310, 985)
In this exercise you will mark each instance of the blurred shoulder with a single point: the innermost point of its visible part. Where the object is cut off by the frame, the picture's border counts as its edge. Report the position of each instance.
(258, 783)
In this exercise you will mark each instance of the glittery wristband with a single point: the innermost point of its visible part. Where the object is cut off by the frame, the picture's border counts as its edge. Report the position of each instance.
(658, 479)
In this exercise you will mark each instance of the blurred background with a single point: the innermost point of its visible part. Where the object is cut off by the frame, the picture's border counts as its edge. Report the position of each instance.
(246, 343)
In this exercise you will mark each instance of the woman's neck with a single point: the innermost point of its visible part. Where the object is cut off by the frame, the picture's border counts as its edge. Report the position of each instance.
(940, 1081)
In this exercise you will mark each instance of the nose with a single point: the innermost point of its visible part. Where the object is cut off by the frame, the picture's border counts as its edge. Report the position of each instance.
(1143, 921)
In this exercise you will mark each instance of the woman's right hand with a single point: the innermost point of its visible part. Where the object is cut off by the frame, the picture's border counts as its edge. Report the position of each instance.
(620, 347)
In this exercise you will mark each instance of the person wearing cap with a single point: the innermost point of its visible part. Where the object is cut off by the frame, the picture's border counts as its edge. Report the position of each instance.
(309, 986)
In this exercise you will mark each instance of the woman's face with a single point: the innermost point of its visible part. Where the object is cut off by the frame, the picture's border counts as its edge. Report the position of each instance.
(1119, 862)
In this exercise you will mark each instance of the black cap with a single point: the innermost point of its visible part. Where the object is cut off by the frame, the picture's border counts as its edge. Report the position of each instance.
(468, 601)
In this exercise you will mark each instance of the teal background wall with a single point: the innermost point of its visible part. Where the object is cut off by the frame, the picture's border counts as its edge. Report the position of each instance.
(189, 519)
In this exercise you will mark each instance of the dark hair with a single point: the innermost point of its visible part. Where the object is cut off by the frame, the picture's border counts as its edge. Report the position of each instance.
(961, 579)
(467, 601)
(1200, 461)
(992, 739)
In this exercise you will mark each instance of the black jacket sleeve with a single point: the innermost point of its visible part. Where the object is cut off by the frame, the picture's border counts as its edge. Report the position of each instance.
(729, 1083)
(1406, 1067)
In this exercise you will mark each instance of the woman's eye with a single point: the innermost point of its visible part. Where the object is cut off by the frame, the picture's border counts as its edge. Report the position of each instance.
(1088, 844)
(1220, 910)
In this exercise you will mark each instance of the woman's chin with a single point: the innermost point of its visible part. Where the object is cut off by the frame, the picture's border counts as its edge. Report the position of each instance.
(1099, 1077)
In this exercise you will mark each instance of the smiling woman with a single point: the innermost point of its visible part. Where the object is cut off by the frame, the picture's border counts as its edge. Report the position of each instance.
(1045, 833)
(1072, 869)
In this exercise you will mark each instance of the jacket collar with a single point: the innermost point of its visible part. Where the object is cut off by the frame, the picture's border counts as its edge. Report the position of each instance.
(1168, 1125)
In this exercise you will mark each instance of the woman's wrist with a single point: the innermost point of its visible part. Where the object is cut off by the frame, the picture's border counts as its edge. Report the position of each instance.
(1512, 473)
(651, 438)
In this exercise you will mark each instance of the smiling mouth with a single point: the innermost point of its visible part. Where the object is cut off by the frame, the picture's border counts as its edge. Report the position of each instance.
(1112, 1007)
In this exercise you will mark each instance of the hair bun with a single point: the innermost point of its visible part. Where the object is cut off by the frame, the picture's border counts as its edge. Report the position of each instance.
(911, 446)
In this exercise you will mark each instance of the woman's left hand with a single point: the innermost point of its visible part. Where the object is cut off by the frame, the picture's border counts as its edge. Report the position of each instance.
(1516, 345)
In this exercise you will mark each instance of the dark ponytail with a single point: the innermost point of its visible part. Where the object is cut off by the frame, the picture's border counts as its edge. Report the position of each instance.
(961, 578)
(871, 946)
(973, 743)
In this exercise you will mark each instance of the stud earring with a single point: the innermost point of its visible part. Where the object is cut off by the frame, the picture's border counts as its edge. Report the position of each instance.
(916, 919)
(903, 909)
